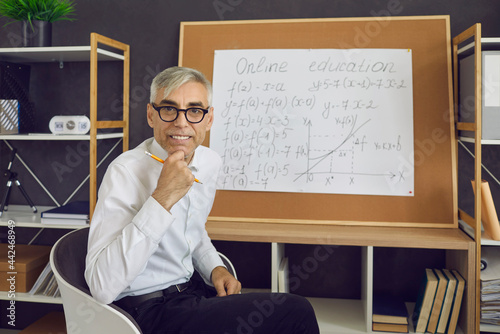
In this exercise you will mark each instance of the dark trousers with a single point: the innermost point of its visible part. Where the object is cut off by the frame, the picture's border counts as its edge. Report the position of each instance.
(198, 311)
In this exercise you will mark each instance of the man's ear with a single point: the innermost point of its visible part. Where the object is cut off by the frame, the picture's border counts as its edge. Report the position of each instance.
(150, 114)
(210, 116)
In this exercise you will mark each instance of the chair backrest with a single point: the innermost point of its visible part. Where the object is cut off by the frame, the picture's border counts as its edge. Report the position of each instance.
(229, 265)
(82, 312)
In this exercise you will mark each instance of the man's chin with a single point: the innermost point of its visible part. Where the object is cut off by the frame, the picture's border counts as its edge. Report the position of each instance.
(188, 154)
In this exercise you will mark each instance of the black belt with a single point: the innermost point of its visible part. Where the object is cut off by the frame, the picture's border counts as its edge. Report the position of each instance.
(130, 302)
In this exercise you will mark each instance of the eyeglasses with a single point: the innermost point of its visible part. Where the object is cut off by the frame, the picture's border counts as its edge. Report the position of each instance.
(170, 114)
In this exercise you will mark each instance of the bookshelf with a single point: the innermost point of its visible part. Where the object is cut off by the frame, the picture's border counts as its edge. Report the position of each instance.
(101, 49)
(355, 316)
(470, 42)
(23, 216)
(93, 53)
(49, 136)
(26, 297)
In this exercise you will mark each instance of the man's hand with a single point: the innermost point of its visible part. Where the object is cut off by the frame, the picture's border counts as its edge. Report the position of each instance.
(224, 282)
(174, 182)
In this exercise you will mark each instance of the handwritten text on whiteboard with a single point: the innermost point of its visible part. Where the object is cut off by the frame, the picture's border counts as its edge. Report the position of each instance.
(318, 121)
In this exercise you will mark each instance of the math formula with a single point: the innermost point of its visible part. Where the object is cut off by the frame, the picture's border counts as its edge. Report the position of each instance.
(317, 121)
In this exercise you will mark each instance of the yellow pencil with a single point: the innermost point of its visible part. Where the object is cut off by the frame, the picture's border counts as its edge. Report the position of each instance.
(162, 161)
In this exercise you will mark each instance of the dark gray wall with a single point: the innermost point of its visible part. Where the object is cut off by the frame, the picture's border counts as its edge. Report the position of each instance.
(152, 30)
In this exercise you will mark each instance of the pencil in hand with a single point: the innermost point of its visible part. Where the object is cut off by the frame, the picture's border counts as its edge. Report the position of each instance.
(162, 161)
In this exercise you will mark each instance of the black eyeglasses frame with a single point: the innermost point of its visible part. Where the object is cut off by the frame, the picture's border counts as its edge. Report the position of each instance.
(205, 111)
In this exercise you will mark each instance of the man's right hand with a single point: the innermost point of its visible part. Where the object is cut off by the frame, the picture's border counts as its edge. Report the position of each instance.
(174, 182)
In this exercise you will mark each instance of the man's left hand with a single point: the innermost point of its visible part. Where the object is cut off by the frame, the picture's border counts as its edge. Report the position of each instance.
(224, 282)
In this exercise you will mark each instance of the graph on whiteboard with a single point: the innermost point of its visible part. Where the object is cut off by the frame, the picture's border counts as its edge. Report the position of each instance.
(316, 121)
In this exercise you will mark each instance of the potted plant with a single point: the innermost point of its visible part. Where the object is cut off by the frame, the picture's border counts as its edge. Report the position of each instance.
(37, 17)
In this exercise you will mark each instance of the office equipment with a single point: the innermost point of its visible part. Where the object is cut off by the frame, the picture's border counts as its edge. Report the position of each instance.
(12, 180)
(320, 134)
(64, 125)
(434, 158)
(284, 218)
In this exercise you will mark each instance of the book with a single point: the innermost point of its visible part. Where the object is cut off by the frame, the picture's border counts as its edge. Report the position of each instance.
(438, 301)
(457, 302)
(388, 309)
(395, 328)
(72, 210)
(64, 221)
(42, 280)
(425, 299)
(448, 301)
(283, 276)
(51, 288)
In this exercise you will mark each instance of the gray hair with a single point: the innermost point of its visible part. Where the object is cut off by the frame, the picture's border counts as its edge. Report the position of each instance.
(174, 77)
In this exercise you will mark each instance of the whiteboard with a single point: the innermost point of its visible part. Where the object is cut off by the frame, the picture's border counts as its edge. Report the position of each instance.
(336, 121)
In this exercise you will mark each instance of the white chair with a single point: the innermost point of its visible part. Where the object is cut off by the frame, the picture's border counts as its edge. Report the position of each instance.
(82, 312)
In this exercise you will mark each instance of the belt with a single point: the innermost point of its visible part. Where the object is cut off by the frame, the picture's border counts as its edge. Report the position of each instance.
(130, 302)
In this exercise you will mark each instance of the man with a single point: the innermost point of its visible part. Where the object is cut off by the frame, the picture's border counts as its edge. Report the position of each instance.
(148, 237)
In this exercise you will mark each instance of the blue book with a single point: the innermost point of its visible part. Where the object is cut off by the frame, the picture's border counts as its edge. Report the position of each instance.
(72, 210)
(391, 310)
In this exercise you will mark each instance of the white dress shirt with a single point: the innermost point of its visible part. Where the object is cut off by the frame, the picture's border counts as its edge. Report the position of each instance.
(135, 245)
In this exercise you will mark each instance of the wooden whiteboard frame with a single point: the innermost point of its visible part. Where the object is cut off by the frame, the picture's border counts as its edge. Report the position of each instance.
(435, 201)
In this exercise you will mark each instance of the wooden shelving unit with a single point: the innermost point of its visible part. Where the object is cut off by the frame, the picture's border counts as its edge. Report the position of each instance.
(472, 223)
(93, 54)
(355, 316)
(23, 216)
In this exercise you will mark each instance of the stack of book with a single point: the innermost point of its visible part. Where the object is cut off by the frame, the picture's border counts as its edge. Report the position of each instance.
(490, 285)
(283, 274)
(439, 301)
(389, 314)
(46, 284)
(73, 213)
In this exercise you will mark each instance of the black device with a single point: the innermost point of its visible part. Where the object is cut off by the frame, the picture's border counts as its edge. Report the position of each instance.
(12, 179)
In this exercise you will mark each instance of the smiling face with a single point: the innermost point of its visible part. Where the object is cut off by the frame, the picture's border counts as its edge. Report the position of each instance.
(180, 135)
